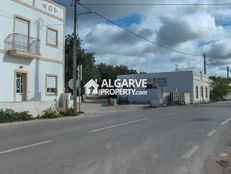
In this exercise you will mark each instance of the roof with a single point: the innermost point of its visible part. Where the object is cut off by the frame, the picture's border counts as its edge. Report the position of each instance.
(164, 73)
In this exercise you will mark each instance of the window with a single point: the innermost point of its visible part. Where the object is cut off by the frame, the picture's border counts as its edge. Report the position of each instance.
(21, 40)
(202, 92)
(151, 84)
(51, 84)
(206, 92)
(52, 37)
(197, 92)
(22, 26)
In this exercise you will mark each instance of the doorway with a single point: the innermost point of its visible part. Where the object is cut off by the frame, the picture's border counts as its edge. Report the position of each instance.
(20, 87)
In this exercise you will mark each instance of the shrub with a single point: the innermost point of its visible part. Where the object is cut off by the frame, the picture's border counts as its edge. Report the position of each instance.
(23, 116)
(220, 87)
(9, 115)
(50, 113)
(70, 112)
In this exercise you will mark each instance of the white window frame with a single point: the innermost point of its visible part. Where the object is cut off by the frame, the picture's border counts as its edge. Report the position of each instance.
(56, 85)
(47, 37)
(20, 18)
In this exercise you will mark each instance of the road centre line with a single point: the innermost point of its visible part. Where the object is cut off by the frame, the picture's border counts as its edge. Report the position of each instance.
(190, 152)
(211, 133)
(118, 125)
(226, 121)
(24, 147)
(174, 113)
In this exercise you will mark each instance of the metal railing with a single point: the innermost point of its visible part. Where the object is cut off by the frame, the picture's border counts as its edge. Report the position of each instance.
(19, 42)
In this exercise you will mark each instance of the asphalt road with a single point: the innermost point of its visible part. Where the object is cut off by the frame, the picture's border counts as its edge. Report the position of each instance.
(172, 140)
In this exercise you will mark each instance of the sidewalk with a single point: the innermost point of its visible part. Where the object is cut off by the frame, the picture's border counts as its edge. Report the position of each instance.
(100, 105)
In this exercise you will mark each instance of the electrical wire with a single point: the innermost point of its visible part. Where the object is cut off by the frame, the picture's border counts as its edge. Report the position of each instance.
(137, 35)
(157, 4)
(120, 26)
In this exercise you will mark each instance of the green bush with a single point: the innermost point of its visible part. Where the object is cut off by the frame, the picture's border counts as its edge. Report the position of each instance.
(9, 115)
(220, 87)
(69, 112)
(50, 113)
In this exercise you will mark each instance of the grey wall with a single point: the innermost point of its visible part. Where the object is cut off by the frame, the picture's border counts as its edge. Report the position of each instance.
(182, 81)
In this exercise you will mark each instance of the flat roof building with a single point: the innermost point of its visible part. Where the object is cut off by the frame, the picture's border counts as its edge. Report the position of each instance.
(190, 82)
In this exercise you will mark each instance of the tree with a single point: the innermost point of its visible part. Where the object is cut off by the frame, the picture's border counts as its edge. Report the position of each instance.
(220, 87)
(90, 69)
(110, 72)
(86, 59)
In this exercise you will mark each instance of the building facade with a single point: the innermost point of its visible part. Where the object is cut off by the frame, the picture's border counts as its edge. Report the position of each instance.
(193, 83)
(32, 40)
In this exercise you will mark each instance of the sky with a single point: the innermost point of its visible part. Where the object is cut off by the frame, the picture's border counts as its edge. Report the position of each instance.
(191, 29)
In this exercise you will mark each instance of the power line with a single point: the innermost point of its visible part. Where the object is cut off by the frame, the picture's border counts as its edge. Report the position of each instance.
(150, 4)
(137, 35)
(157, 4)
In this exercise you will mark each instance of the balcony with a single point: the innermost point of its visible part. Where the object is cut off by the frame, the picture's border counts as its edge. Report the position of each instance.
(22, 45)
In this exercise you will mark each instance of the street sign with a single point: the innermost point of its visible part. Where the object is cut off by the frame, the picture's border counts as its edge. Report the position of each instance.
(70, 84)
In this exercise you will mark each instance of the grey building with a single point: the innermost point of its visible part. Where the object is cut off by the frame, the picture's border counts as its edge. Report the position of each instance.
(194, 84)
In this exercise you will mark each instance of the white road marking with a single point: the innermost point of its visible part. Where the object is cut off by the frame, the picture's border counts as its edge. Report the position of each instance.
(211, 133)
(226, 121)
(24, 147)
(173, 113)
(117, 125)
(190, 152)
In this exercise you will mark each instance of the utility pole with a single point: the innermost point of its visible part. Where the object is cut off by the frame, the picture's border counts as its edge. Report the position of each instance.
(75, 57)
(79, 82)
(227, 72)
(205, 71)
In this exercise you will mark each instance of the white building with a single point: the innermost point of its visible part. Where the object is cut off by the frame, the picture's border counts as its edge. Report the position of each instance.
(31, 53)
(192, 83)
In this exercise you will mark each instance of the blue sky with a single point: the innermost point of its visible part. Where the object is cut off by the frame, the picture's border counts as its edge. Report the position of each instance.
(127, 21)
(188, 29)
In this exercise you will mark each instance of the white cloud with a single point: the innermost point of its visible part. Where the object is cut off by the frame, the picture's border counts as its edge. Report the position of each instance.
(220, 49)
(188, 28)
(179, 27)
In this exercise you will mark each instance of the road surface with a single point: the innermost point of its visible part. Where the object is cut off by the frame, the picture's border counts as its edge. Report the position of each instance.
(171, 140)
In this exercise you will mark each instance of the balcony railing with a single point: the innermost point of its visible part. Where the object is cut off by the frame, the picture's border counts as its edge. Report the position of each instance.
(22, 43)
